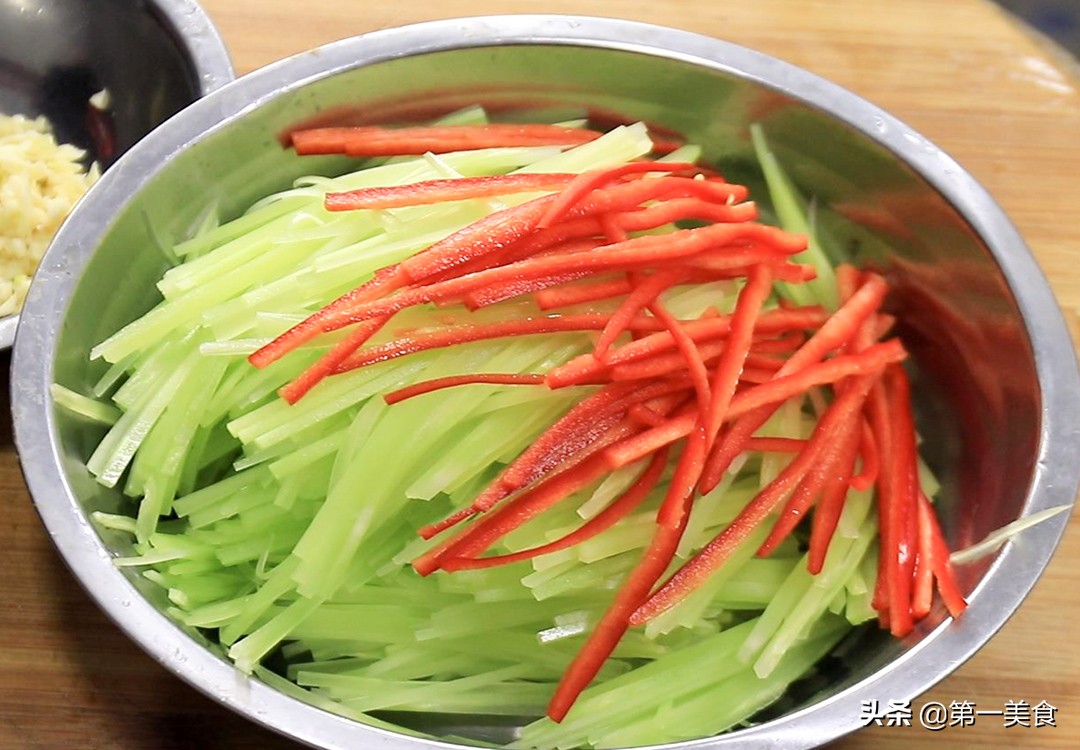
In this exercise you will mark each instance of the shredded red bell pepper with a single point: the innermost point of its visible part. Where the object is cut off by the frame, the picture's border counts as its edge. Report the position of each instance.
(659, 388)
(438, 139)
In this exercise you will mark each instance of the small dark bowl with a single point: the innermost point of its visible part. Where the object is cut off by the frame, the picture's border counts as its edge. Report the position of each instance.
(152, 57)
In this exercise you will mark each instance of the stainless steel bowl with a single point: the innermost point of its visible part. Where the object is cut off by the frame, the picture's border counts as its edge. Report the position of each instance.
(997, 381)
(152, 57)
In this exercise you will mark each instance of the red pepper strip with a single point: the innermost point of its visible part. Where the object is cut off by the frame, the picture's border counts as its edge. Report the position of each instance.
(868, 453)
(722, 268)
(585, 423)
(480, 238)
(329, 140)
(482, 297)
(491, 295)
(871, 361)
(492, 527)
(586, 366)
(437, 191)
(434, 529)
(380, 141)
(695, 365)
(830, 472)
(646, 415)
(574, 429)
(442, 190)
(644, 251)
(677, 502)
(830, 506)
(922, 596)
(547, 299)
(587, 182)
(759, 360)
(579, 430)
(602, 521)
(837, 329)
(613, 231)
(615, 621)
(623, 211)
(847, 280)
(877, 413)
(842, 324)
(711, 557)
(655, 411)
(441, 338)
(328, 363)
(775, 444)
(419, 146)
(635, 590)
(579, 434)
(517, 251)
(384, 280)
(942, 566)
(793, 273)
(628, 195)
(645, 289)
(665, 364)
(452, 381)
(491, 258)
(782, 344)
(903, 508)
(500, 229)
(756, 375)
(733, 359)
(883, 323)
(496, 492)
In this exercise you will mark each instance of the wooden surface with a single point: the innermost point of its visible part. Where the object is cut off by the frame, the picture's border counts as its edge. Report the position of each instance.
(960, 72)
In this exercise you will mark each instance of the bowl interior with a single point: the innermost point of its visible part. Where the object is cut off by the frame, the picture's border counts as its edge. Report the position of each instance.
(978, 394)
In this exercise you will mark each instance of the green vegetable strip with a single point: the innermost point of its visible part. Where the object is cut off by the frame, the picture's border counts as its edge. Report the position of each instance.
(277, 421)
(160, 461)
(292, 526)
(292, 689)
(797, 601)
(249, 650)
(624, 698)
(240, 245)
(84, 406)
(483, 443)
(841, 560)
(692, 609)
(789, 209)
(117, 449)
(728, 702)
(113, 376)
(246, 225)
(149, 373)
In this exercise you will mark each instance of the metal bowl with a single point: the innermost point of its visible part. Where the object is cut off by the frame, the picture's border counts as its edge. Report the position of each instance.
(152, 57)
(997, 382)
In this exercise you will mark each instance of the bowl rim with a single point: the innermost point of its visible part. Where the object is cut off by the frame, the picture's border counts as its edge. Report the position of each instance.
(1055, 481)
(201, 44)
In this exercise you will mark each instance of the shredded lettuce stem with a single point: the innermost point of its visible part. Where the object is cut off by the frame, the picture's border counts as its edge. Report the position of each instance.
(289, 529)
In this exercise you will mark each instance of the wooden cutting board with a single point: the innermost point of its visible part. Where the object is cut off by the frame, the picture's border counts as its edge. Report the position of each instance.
(961, 72)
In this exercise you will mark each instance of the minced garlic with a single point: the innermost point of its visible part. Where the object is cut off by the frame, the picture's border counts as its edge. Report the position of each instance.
(40, 181)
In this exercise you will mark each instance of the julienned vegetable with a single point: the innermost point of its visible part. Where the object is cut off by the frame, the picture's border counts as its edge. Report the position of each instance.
(524, 407)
